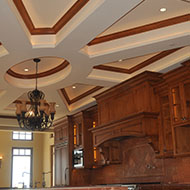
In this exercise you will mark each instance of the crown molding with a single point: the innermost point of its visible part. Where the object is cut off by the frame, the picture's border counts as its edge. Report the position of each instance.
(58, 25)
(139, 66)
(140, 29)
(39, 75)
(83, 95)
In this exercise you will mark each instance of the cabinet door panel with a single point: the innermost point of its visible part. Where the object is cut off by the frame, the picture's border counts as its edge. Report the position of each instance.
(58, 167)
(176, 104)
(64, 165)
(187, 99)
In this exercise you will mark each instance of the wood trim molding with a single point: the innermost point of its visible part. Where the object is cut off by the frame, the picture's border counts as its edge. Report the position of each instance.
(131, 125)
(140, 29)
(60, 24)
(85, 94)
(39, 75)
(136, 67)
(8, 117)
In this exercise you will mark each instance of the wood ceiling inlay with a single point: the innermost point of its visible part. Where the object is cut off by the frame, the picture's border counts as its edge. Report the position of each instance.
(8, 117)
(81, 96)
(136, 67)
(39, 75)
(140, 29)
(57, 26)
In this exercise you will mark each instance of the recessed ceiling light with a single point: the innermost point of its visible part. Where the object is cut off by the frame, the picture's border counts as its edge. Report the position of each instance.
(26, 69)
(163, 9)
(57, 105)
(73, 87)
(120, 60)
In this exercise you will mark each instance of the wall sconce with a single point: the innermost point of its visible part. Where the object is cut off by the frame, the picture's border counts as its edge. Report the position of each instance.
(1, 158)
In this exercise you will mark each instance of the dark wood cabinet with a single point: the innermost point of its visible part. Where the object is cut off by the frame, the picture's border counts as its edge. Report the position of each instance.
(61, 144)
(82, 137)
(178, 82)
(165, 132)
(138, 133)
(77, 126)
(180, 103)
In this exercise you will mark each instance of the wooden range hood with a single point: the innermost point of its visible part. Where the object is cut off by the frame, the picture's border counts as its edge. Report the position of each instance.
(129, 109)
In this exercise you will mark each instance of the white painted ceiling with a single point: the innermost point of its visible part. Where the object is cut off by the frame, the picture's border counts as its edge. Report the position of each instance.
(97, 18)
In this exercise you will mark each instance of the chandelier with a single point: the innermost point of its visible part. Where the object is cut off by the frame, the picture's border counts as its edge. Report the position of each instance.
(40, 114)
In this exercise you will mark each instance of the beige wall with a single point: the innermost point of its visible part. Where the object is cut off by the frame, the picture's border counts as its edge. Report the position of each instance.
(41, 155)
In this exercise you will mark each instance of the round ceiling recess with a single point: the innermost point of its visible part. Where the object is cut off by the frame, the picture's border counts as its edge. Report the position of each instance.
(23, 74)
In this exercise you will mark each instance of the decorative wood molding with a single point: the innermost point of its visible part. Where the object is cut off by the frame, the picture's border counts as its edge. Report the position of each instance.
(139, 66)
(132, 125)
(140, 29)
(7, 117)
(57, 27)
(149, 77)
(39, 75)
(85, 94)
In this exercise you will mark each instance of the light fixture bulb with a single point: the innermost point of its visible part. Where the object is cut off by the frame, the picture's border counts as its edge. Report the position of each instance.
(163, 9)
(73, 87)
(26, 69)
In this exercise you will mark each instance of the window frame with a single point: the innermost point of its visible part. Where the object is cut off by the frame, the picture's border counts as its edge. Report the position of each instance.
(24, 135)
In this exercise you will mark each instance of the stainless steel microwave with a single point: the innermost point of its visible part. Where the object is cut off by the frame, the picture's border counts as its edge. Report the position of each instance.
(78, 160)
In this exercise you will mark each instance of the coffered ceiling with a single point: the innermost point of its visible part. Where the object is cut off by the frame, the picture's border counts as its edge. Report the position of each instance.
(85, 47)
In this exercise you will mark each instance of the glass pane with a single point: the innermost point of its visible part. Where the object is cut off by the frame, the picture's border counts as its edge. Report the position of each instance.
(27, 152)
(15, 152)
(28, 137)
(15, 136)
(22, 136)
(21, 152)
(176, 104)
(21, 171)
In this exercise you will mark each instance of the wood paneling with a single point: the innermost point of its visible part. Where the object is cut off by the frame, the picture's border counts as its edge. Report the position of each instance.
(140, 29)
(136, 125)
(138, 165)
(130, 97)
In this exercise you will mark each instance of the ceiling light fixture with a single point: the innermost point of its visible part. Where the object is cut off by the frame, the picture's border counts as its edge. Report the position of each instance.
(40, 114)
(26, 69)
(120, 60)
(163, 9)
(73, 87)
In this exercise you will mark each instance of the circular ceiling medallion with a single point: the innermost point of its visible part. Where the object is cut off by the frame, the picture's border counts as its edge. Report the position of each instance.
(52, 68)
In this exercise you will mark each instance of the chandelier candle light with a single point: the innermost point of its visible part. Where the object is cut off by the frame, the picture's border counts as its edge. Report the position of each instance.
(40, 115)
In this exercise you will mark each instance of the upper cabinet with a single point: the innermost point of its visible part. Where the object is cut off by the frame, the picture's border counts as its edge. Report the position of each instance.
(178, 82)
(83, 150)
(129, 97)
(180, 103)
(77, 124)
